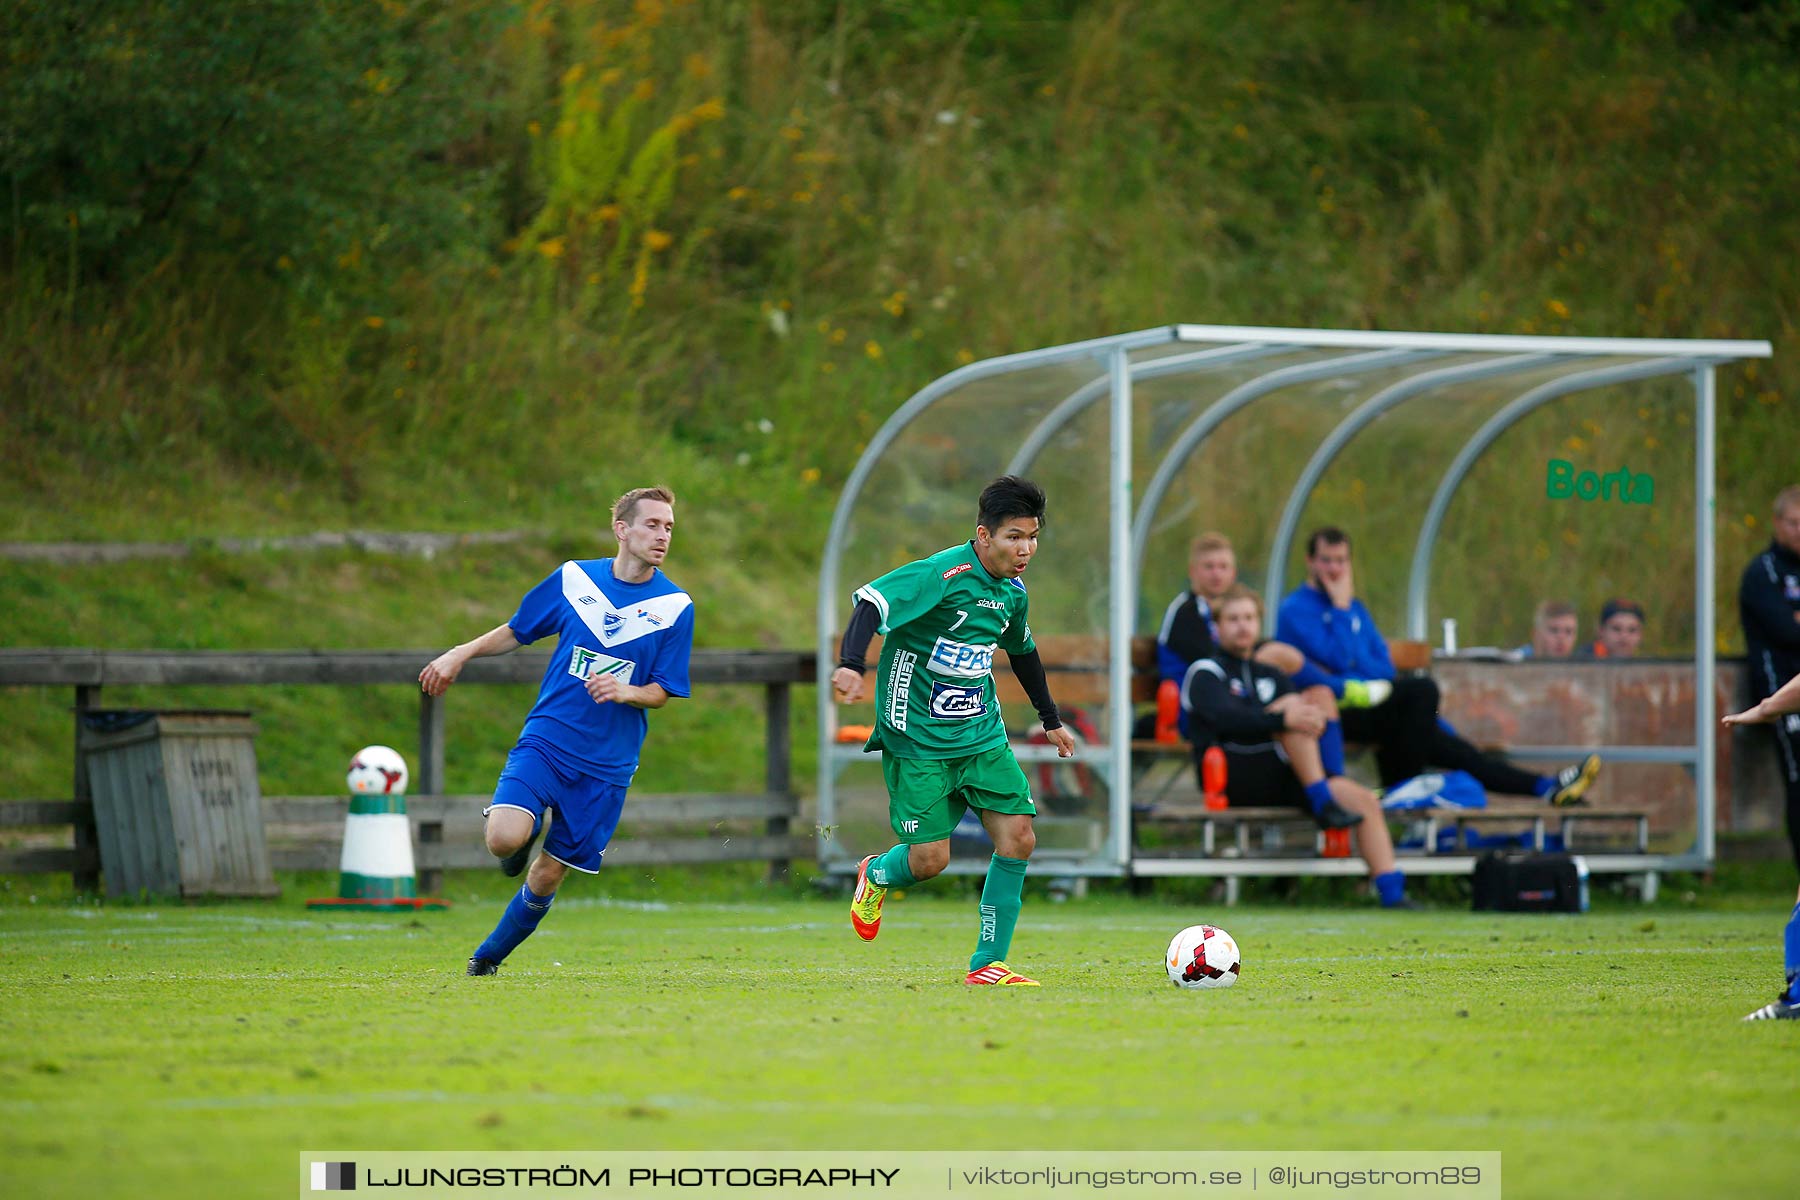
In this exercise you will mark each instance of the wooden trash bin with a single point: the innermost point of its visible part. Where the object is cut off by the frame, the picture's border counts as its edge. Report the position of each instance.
(177, 805)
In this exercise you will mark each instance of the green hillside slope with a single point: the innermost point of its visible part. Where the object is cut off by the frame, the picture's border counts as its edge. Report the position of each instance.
(478, 266)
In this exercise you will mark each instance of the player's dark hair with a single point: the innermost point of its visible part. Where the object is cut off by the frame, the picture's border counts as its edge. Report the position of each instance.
(1007, 497)
(1330, 535)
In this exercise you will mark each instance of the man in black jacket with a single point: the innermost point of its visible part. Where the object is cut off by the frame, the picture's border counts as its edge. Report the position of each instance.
(1769, 606)
(1270, 735)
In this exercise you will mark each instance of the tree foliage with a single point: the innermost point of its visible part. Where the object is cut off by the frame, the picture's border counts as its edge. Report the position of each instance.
(287, 135)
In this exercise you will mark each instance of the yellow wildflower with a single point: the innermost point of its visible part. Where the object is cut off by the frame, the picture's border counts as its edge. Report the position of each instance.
(656, 239)
(872, 349)
(965, 356)
(552, 248)
(708, 110)
(1557, 309)
(374, 322)
(810, 475)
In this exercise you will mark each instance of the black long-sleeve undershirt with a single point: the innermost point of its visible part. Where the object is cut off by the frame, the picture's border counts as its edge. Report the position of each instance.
(865, 619)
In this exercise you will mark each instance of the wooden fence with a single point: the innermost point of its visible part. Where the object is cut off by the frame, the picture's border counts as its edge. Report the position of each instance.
(305, 831)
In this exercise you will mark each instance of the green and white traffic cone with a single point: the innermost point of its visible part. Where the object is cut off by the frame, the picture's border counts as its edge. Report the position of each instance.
(375, 870)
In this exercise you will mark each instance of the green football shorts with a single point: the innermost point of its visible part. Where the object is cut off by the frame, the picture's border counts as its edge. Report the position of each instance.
(927, 796)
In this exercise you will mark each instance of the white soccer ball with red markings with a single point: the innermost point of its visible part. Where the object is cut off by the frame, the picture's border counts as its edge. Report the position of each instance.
(1203, 956)
(377, 771)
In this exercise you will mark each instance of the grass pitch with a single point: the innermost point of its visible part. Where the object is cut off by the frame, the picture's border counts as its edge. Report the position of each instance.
(193, 1050)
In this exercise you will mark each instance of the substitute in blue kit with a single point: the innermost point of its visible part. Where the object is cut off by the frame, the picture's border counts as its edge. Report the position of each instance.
(624, 635)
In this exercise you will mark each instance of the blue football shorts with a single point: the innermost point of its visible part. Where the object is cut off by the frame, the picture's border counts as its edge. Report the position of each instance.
(587, 809)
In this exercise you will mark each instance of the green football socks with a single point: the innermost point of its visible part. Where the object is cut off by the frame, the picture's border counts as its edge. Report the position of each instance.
(1001, 898)
(893, 869)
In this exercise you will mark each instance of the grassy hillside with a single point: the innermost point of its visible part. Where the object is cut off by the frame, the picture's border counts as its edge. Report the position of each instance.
(585, 244)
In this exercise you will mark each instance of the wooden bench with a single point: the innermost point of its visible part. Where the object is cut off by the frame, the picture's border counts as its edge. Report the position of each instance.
(306, 833)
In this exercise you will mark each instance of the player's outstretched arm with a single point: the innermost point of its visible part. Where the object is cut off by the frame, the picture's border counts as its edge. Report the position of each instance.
(1028, 669)
(1785, 700)
(847, 680)
(442, 671)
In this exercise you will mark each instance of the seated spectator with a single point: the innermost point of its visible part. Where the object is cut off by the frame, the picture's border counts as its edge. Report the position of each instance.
(1336, 633)
(1270, 736)
(1621, 629)
(1190, 632)
(1554, 628)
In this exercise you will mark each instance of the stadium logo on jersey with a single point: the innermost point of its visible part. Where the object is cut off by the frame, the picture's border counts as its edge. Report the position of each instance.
(586, 664)
(899, 687)
(961, 659)
(992, 604)
(1265, 690)
(952, 703)
(958, 569)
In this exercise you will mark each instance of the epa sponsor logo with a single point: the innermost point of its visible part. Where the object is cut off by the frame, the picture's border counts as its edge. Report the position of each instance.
(958, 569)
(952, 703)
(961, 659)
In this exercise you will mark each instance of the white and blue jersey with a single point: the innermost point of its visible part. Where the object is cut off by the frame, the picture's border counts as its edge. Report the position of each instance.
(641, 632)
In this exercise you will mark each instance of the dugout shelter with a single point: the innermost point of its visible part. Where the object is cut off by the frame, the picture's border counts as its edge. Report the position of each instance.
(1411, 441)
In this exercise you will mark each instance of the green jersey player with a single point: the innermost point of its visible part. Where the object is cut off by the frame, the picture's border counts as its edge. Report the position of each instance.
(937, 723)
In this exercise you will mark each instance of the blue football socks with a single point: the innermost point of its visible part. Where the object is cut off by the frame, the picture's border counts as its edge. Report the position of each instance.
(1791, 955)
(1319, 795)
(517, 923)
(1391, 887)
(1331, 748)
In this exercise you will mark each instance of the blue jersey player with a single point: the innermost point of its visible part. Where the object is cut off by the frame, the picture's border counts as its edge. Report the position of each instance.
(1783, 706)
(624, 633)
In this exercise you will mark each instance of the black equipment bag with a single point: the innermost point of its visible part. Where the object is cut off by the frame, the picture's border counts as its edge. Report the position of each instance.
(1524, 881)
